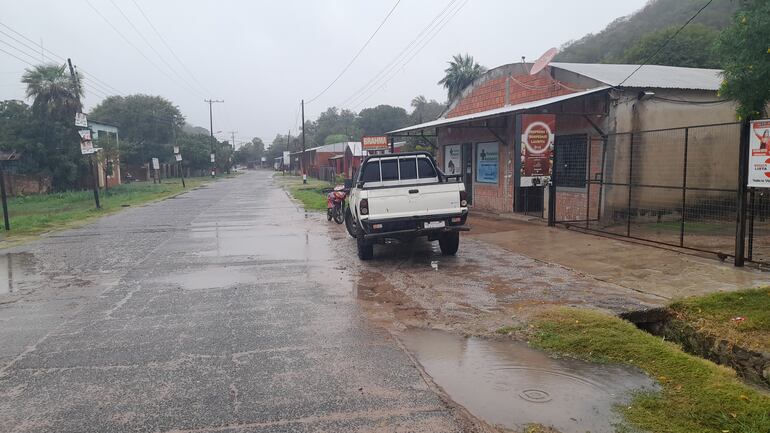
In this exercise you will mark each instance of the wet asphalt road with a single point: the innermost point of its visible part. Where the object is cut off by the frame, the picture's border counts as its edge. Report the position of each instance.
(223, 309)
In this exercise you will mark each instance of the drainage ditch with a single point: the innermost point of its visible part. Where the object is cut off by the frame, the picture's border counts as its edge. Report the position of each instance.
(751, 365)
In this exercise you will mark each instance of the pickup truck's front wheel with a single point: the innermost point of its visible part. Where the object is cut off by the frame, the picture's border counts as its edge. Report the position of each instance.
(449, 243)
(365, 248)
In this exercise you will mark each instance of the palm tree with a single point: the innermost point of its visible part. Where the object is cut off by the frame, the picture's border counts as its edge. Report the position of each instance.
(55, 94)
(462, 71)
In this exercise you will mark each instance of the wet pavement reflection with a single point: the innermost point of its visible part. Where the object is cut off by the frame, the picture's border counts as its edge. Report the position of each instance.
(510, 384)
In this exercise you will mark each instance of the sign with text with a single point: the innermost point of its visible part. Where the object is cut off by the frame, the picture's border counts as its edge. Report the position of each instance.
(452, 159)
(155, 164)
(86, 145)
(178, 157)
(286, 158)
(213, 158)
(374, 142)
(537, 148)
(759, 154)
(487, 162)
(81, 120)
(176, 150)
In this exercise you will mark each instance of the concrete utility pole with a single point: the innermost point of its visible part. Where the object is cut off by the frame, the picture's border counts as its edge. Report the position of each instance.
(302, 155)
(232, 147)
(211, 102)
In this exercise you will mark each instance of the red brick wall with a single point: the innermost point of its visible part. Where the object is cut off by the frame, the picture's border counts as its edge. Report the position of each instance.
(571, 202)
(522, 88)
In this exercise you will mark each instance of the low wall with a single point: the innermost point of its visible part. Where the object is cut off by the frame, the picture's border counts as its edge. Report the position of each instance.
(21, 184)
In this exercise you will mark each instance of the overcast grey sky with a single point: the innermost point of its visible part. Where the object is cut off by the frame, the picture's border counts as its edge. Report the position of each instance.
(262, 57)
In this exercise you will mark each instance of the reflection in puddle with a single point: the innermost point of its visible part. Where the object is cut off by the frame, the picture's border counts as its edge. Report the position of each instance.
(511, 384)
(210, 278)
(12, 271)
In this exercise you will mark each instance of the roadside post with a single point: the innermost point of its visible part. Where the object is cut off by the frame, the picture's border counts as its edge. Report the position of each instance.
(87, 148)
(178, 157)
(7, 163)
(156, 168)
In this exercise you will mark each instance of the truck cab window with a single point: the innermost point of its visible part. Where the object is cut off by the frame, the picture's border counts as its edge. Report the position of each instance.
(425, 169)
(408, 168)
(371, 172)
(389, 169)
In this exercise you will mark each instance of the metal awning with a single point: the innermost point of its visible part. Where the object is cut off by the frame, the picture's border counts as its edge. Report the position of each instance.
(497, 111)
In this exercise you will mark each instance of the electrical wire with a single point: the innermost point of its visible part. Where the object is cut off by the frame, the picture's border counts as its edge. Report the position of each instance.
(130, 43)
(438, 29)
(387, 67)
(103, 85)
(152, 47)
(171, 50)
(665, 44)
(357, 54)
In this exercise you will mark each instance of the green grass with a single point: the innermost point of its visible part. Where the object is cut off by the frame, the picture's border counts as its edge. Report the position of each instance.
(310, 195)
(715, 314)
(696, 395)
(35, 214)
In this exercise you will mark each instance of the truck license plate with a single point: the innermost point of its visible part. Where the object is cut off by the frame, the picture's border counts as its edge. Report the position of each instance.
(435, 224)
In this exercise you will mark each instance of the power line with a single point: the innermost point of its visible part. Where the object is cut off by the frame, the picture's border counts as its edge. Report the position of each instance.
(665, 44)
(128, 41)
(440, 26)
(102, 84)
(372, 83)
(357, 54)
(152, 47)
(173, 53)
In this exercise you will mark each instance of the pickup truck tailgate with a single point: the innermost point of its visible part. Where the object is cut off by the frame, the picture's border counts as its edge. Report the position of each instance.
(415, 200)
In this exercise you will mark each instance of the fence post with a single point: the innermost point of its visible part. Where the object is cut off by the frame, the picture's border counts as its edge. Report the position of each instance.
(552, 192)
(630, 182)
(684, 185)
(743, 167)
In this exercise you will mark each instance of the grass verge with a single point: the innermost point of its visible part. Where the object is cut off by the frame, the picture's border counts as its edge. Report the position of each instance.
(310, 195)
(743, 317)
(35, 214)
(696, 395)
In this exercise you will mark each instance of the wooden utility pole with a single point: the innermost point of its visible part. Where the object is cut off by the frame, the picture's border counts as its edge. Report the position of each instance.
(93, 167)
(302, 155)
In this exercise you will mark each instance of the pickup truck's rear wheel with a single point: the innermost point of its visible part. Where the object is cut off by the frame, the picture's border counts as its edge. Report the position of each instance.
(350, 225)
(365, 248)
(449, 243)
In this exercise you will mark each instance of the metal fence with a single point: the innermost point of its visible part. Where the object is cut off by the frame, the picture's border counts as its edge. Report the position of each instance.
(675, 187)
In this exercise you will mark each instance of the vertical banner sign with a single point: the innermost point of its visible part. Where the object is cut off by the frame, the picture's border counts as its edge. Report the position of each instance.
(176, 149)
(487, 162)
(452, 159)
(86, 145)
(155, 164)
(286, 158)
(537, 148)
(759, 154)
(178, 157)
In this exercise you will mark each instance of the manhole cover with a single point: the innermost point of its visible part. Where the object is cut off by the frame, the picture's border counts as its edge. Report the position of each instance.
(535, 395)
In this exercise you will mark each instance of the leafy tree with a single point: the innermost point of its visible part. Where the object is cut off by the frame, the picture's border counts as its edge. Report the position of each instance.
(744, 48)
(195, 150)
(145, 122)
(381, 119)
(251, 151)
(335, 122)
(56, 98)
(336, 138)
(693, 48)
(424, 110)
(462, 71)
(55, 94)
(611, 43)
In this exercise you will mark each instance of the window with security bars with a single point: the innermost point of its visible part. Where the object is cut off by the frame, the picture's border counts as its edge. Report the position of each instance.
(570, 160)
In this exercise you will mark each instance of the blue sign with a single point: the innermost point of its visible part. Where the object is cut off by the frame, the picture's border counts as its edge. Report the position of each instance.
(487, 162)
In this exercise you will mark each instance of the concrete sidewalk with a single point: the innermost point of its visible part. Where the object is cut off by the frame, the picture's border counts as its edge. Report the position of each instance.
(645, 268)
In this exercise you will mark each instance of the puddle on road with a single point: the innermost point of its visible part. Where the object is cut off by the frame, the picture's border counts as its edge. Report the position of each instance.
(510, 384)
(211, 278)
(14, 271)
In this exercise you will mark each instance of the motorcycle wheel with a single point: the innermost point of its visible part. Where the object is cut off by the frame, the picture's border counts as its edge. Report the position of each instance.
(328, 214)
(339, 216)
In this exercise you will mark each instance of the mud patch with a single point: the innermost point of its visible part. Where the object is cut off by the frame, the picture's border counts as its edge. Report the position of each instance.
(510, 384)
(210, 278)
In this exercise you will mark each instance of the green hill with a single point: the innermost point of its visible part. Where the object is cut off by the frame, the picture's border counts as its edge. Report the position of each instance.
(612, 43)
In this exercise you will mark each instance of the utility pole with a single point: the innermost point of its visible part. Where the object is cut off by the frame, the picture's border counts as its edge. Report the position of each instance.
(288, 147)
(93, 168)
(302, 155)
(211, 102)
(232, 149)
(179, 163)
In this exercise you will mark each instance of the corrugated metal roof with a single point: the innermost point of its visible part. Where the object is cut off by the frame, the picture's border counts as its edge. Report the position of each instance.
(498, 111)
(650, 76)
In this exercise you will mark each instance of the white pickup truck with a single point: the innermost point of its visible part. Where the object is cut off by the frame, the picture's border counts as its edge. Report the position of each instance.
(403, 196)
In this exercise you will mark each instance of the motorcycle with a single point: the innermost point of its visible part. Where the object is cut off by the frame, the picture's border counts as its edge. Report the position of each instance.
(335, 203)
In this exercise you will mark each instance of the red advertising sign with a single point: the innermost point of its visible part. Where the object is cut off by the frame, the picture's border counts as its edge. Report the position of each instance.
(759, 156)
(536, 148)
(374, 142)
